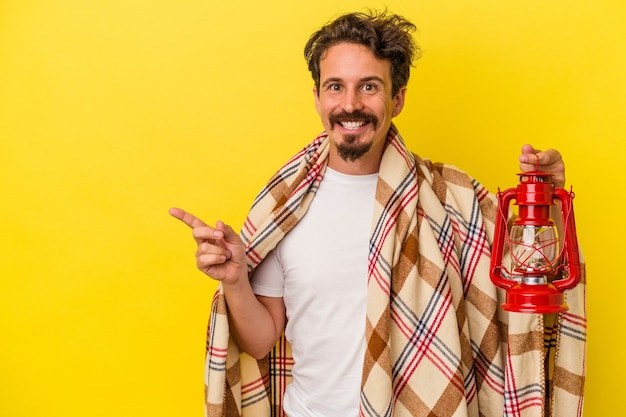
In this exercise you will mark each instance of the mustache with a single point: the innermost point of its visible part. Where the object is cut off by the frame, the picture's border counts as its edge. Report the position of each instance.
(355, 116)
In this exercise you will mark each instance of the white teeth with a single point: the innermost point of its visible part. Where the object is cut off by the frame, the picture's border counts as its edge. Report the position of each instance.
(352, 125)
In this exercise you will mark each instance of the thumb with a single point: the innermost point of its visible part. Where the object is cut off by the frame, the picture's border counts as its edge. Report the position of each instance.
(231, 242)
(529, 149)
(230, 236)
(528, 154)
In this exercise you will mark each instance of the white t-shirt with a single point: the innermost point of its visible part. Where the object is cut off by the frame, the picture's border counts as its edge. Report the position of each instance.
(320, 268)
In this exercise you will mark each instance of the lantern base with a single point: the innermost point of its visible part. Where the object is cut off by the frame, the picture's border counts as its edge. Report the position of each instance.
(538, 298)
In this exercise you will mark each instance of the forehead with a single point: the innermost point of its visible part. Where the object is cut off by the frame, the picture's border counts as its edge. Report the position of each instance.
(353, 61)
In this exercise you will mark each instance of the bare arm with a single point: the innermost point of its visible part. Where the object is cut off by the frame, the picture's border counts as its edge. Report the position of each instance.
(256, 322)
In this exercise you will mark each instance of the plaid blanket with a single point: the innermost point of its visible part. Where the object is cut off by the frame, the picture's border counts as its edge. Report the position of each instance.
(437, 343)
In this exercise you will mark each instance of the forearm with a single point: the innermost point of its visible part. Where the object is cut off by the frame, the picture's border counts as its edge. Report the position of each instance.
(252, 324)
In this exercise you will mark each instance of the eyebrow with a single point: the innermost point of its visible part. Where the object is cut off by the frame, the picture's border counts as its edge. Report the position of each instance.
(365, 79)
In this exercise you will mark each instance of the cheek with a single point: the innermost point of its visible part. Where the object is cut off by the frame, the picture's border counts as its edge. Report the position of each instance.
(324, 115)
(321, 107)
(324, 111)
(383, 104)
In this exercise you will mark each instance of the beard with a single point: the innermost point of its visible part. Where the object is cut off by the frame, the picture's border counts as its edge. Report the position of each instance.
(350, 149)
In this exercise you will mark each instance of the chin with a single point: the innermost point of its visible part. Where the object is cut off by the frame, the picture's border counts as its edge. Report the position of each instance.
(350, 152)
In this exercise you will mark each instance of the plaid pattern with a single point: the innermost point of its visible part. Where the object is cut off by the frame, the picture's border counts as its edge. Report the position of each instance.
(437, 342)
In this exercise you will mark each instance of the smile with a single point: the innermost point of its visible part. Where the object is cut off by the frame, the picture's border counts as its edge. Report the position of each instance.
(352, 125)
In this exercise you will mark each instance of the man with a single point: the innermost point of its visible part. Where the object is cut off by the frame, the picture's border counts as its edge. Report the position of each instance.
(371, 262)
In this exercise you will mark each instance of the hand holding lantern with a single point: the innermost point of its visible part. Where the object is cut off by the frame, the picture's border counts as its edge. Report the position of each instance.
(541, 267)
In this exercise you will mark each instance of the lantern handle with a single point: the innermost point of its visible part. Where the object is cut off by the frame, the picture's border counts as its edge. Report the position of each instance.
(570, 242)
(501, 230)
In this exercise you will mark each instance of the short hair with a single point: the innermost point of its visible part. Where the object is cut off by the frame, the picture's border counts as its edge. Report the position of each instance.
(388, 36)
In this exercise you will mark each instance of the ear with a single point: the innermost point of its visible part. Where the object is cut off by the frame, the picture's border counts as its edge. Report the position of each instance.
(317, 100)
(398, 104)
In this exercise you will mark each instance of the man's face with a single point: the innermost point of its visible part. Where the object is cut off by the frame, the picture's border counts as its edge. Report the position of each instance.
(355, 101)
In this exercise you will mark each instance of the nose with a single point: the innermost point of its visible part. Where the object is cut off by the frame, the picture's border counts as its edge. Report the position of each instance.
(352, 100)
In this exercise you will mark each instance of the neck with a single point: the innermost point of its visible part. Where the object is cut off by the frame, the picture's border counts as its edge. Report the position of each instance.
(358, 167)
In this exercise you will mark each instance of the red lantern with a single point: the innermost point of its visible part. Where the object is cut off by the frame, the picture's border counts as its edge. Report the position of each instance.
(542, 265)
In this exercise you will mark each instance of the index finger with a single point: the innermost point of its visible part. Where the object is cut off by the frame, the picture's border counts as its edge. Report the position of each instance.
(529, 149)
(187, 218)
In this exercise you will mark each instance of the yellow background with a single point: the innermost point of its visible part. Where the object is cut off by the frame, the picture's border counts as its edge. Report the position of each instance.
(112, 111)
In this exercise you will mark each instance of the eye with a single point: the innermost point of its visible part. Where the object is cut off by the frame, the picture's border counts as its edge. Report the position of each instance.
(334, 87)
(370, 88)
